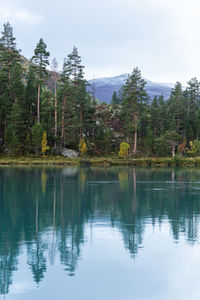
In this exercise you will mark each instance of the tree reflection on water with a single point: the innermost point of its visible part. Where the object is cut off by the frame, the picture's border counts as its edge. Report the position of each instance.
(47, 210)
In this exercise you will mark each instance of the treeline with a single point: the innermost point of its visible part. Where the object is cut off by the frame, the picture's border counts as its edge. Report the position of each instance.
(42, 109)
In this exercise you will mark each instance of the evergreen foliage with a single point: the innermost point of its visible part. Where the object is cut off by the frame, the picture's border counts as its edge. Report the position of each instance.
(35, 100)
(134, 105)
(40, 62)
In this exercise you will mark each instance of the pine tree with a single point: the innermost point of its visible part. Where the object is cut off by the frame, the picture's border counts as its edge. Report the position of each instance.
(82, 101)
(134, 102)
(77, 109)
(18, 121)
(12, 87)
(40, 61)
(154, 111)
(47, 114)
(172, 138)
(9, 54)
(73, 66)
(115, 99)
(68, 121)
(192, 100)
(176, 107)
(54, 68)
(37, 132)
(11, 140)
(31, 96)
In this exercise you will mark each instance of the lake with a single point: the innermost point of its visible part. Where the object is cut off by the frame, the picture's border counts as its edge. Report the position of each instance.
(99, 233)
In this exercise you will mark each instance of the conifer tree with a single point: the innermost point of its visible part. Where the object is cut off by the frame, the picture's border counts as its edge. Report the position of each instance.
(115, 100)
(40, 62)
(192, 99)
(47, 113)
(176, 107)
(54, 68)
(31, 97)
(134, 104)
(75, 72)
(18, 121)
(77, 111)
(11, 139)
(67, 101)
(37, 132)
(12, 88)
(9, 54)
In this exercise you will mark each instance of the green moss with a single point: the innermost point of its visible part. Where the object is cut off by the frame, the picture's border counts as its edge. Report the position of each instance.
(102, 161)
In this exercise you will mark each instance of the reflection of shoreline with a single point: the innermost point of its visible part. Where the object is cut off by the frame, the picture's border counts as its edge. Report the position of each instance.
(32, 201)
(70, 171)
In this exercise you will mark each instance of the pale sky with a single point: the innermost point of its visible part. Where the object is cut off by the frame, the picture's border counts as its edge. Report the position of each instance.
(161, 37)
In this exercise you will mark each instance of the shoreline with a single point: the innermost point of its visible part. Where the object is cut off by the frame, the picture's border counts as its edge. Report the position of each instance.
(101, 161)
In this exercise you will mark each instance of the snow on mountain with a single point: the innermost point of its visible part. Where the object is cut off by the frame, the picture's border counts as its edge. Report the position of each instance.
(104, 87)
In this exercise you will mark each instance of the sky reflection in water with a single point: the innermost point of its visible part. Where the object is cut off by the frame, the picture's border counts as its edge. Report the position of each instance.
(115, 233)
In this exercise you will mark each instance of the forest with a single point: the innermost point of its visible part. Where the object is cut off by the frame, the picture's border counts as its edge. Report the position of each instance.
(43, 110)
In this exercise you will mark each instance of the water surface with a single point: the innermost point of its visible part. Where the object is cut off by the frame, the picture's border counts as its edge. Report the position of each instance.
(86, 233)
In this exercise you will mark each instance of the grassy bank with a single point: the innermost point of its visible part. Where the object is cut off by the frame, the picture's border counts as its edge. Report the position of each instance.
(102, 161)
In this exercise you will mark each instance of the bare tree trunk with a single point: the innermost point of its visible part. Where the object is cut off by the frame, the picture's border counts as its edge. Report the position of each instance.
(81, 117)
(63, 124)
(173, 150)
(135, 135)
(178, 121)
(38, 105)
(54, 67)
(0, 117)
(9, 76)
(135, 143)
(5, 121)
(173, 175)
(52, 251)
(36, 217)
(155, 130)
(135, 191)
(56, 127)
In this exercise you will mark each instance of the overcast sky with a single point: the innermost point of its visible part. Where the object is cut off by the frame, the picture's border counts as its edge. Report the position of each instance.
(161, 37)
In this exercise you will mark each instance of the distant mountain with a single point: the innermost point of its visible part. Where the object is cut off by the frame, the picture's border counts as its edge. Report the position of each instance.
(104, 87)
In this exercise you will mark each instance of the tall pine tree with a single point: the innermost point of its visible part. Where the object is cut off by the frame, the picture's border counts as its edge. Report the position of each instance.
(134, 103)
(40, 62)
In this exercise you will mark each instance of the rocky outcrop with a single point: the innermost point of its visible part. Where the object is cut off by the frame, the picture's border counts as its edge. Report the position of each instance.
(69, 153)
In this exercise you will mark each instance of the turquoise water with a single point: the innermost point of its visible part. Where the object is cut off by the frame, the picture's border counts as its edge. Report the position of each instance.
(86, 233)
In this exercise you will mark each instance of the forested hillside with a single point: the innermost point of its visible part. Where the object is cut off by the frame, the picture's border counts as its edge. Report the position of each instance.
(36, 117)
